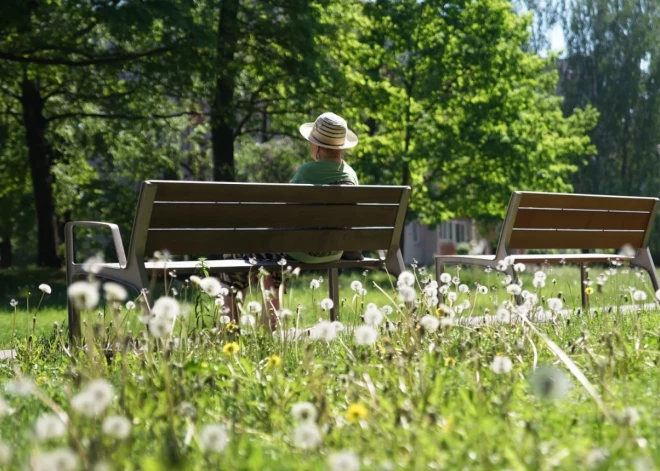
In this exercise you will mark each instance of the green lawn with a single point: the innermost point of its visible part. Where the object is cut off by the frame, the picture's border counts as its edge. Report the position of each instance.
(578, 392)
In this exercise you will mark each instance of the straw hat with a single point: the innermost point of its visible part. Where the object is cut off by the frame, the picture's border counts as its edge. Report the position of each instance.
(330, 131)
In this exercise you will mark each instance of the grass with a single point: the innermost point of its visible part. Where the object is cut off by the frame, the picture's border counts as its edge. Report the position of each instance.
(418, 398)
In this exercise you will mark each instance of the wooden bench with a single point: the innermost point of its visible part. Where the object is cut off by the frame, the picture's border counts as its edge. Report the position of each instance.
(200, 218)
(571, 221)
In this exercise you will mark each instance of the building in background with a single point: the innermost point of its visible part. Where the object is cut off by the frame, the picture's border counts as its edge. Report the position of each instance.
(422, 243)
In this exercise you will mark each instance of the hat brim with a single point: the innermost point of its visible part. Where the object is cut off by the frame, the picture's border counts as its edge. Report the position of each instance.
(350, 142)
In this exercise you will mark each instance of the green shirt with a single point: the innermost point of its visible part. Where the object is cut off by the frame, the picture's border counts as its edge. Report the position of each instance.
(323, 172)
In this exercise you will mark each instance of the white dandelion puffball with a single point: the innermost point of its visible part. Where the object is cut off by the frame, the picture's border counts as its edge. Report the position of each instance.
(114, 291)
(284, 313)
(314, 284)
(365, 335)
(514, 289)
(406, 278)
(130, 305)
(463, 288)
(503, 315)
(49, 426)
(446, 322)
(452, 296)
(116, 426)
(519, 267)
(629, 416)
(13, 303)
(195, 280)
(482, 289)
(307, 436)
(555, 304)
(373, 316)
(45, 288)
(210, 286)
(5, 408)
(539, 275)
(502, 265)
(387, 310)
(20, 387)
(160, 327)
(356, 285)
(213, 438)
(224, 319)
(538, 283)
(62, 459)
(324, 330)
(166, 308)
(445, 278)
(344, 461)
(248, 320)
(304, 412)
(6, 453)
(407, 294)
(657, 295)
(219, 301)
(597, 457)
(509, 260)
(639, 295)
(254, 307)
(327, 304)
(548, 382)
(501, 364)
(339, 327)
(430, 323)
(94, 399)
(84, 295)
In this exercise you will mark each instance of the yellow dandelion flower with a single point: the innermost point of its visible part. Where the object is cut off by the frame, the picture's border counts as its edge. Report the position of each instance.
(448, 424)
(204, 364)
(41, 380)
(449, 361)
(356, 412)
(588, 290)
(231, 348)
(273, 361)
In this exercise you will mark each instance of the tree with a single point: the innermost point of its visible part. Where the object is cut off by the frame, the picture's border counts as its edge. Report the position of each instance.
(466, 113)
(63, 61)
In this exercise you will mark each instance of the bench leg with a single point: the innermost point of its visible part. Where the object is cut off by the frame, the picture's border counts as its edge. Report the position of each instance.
(584, 277)
(644, 261)
(514, 278)
(333, 291)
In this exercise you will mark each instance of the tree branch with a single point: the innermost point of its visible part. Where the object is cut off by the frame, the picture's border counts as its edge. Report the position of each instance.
(99, 60)
(127, 117)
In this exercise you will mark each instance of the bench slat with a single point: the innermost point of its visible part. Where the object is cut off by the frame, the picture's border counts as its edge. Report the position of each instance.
(218, 241)
(549, 239)
(250, 193)
(252, 215)
(532, 218)
(569, 201)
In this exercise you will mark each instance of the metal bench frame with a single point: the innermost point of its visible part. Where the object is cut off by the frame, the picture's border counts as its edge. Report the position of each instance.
(585, 205)
(132, 270)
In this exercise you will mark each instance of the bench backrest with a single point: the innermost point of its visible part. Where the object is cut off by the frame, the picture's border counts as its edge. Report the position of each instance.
(574, 221)
(202, 218)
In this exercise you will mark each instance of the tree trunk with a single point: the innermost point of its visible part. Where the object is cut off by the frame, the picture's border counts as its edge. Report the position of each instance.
(40, 156)
(223, 119)
(6, 252)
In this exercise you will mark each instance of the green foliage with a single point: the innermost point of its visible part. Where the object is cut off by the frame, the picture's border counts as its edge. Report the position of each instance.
(274, 161)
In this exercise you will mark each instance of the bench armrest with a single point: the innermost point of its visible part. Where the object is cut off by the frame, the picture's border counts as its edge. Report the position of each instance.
(116, 239)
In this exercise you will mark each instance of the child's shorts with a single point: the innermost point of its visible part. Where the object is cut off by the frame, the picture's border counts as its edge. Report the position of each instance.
(242, 280)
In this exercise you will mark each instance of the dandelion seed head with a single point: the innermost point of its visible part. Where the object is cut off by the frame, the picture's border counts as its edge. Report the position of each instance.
(324, 330)
(45, 288)
(14, 303)
(501, 364)
(339, 327)
(159, 327)
(548, 382)
(430, 323)
(344, 461)
(463, 288)
(503, 315)
(629, 416)
(166, 308)
(284, 313)
(407, 294)
(248, 320)
(210, 286)
(445, 278)
(327, 304)
(406, 278)
(130, 305)
(195, 280)
(93, 264)
(62, 459)
(639, 295)
(213, 438)
(224, 319)
(84, 295)
(365, 335)
(116, 426)
(20, 387)
(538, 283)
(307, 436)
(482, 289)
(555, 304)
(519, 267)
(373, 316)
(304, 412)
(514, 289)
(597, 457)
(114, 291)
(315, 284)
(254, 307)
(49, 426)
